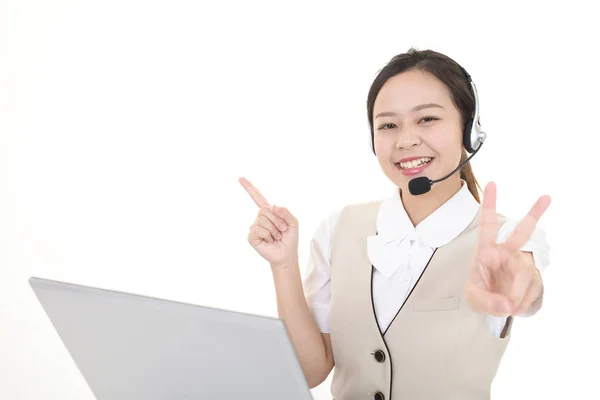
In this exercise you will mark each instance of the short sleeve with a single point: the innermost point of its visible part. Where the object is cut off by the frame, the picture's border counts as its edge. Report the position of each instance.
(537, 244)
(317, 281)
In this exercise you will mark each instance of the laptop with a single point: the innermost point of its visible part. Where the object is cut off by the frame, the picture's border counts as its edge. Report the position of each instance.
(130, 347)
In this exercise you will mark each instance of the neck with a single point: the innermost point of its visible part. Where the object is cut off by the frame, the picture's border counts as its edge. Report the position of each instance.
(420, 207)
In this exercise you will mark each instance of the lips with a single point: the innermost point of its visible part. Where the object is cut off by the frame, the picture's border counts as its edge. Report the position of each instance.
(413, 165)
(413, 162)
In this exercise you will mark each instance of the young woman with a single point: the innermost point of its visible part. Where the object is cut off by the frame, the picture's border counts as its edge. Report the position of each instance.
(412, 296)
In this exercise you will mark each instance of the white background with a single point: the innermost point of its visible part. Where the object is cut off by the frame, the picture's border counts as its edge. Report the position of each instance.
(124, 126)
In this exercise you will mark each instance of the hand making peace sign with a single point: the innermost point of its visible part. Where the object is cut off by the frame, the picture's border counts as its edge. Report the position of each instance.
(274, 233)
(503, 280)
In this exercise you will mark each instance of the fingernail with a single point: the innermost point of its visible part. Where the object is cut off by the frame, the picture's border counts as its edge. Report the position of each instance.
(283, 227)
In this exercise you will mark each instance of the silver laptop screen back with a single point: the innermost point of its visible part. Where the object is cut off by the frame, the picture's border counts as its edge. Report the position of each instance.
(135, 347)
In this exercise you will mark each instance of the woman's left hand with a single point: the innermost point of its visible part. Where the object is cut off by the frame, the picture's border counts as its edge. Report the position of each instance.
(503, 280)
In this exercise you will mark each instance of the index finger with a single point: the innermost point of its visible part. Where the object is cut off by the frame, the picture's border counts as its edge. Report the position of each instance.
(488, 225)
(258, 198)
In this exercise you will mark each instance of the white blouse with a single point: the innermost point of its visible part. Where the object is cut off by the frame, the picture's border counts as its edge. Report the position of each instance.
(400, 252)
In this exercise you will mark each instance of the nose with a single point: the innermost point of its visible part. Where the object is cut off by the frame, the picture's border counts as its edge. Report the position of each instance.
(407, 139)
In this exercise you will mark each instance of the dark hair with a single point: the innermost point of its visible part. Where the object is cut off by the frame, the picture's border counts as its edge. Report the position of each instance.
(450, 73)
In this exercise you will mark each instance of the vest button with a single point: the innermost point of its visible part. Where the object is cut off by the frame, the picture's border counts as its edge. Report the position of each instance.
(379, 396)
(379, 356)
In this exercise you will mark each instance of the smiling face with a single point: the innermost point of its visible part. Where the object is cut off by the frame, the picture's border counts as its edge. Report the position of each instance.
(417, 130)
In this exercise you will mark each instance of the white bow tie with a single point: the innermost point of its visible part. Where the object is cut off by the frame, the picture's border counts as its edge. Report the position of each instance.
(388, 254)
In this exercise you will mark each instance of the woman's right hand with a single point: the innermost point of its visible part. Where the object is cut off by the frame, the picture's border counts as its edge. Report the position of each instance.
(274, 233)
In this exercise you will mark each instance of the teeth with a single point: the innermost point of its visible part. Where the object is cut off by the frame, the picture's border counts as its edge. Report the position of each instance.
(415, 163)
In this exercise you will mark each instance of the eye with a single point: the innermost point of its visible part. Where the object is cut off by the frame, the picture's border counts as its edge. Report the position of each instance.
(387, 126)
(429, 119)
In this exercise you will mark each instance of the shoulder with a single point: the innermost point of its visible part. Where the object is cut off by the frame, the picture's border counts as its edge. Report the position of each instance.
(537, 243)
(360, 211)
(507, 225)
(328, 224)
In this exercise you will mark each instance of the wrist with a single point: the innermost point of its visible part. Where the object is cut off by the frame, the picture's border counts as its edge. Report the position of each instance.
(284, 265)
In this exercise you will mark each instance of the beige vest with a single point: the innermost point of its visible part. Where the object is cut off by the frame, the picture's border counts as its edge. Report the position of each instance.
(435, 348)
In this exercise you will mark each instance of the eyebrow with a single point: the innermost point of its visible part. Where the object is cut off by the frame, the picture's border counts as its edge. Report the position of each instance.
(416, 108)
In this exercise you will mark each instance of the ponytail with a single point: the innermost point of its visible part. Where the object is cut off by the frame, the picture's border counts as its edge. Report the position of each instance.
(466, 173)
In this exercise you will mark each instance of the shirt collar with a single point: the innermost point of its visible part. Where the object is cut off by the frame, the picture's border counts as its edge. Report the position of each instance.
(439, 228)
(395, 232)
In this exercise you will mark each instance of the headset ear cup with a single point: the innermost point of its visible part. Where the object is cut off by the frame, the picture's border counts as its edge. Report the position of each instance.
(467, 136)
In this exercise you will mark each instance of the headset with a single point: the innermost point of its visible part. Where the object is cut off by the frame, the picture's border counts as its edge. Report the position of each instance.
(473, 135)
(473, 138)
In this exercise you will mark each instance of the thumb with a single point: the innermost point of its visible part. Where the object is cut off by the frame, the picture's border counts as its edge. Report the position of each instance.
(286, 215)
(488, 302)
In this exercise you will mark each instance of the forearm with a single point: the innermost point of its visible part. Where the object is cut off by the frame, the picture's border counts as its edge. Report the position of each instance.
(302, 329)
